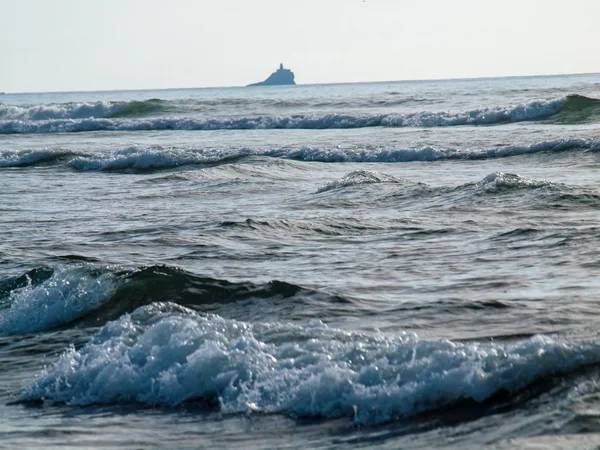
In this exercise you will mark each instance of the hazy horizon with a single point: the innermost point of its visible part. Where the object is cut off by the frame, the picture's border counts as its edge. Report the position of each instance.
(71, 46)
(416, 80)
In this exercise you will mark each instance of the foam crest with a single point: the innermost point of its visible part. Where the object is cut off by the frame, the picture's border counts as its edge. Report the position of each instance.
(70, 293)
(163, 354)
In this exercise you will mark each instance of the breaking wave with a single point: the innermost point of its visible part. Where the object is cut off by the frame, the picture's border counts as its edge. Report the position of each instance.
(165, 354)
(125, 116)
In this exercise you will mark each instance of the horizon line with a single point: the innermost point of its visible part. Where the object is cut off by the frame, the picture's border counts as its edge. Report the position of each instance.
(414, 80)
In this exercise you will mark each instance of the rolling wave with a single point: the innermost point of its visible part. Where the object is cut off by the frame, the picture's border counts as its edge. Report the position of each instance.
(124, 116)
(165, 354)
(578, 109)
(158, 158)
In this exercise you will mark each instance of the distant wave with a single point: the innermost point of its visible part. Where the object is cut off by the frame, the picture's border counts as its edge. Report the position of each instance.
(166, 355)
(142, 108)
(109, 116)
(83, 110)
(158, 158)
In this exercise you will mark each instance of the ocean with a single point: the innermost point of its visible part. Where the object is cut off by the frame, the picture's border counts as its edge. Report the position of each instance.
(375, 265)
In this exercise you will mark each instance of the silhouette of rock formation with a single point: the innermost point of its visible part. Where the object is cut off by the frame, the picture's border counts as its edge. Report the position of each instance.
(281, 77)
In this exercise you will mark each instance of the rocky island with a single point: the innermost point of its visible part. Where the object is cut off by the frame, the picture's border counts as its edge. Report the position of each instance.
(281, 77)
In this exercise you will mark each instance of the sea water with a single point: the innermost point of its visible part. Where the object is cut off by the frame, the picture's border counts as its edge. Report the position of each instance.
(392, 265)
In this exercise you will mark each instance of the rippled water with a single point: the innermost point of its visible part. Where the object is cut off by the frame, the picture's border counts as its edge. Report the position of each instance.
(408, 264)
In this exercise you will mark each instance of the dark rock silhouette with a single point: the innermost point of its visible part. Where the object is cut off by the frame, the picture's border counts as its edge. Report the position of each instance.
(281, 77)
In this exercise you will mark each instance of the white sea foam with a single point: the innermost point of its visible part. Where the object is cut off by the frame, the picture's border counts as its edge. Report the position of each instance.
(70, 292)
(163, 354)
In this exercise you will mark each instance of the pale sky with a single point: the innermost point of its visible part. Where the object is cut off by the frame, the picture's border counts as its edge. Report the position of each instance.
(71, 45)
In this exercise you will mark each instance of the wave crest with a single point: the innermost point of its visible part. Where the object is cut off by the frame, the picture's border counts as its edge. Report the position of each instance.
(360, 177)
(578, 109)
(502, 181)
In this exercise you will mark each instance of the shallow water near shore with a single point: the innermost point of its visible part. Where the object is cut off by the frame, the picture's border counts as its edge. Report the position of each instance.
(390, 265)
